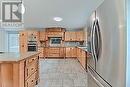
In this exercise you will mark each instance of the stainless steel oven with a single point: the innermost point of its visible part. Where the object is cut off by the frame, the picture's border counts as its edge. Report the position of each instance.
(32, 46)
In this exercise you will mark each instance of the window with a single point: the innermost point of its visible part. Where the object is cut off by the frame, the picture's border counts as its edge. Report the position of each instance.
(13, 42)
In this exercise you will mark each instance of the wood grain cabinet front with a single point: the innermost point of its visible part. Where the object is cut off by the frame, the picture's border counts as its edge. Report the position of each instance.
(24, 73)
(71, 52)
(42, 36)
(82, 57)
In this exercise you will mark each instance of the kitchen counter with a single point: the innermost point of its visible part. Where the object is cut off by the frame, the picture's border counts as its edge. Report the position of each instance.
(15, 57)
(83, 48)
(19, 70)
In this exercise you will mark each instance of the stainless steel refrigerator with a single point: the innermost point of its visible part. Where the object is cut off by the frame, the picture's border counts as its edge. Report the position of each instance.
(107, 38)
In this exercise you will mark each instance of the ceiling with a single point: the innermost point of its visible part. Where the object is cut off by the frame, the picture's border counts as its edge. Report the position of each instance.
(40, 13)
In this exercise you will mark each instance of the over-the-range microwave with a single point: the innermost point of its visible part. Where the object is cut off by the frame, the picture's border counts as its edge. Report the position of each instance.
(55, 41)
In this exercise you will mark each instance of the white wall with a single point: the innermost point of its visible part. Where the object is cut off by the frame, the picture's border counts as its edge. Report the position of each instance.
(3, 40)
(128, 44)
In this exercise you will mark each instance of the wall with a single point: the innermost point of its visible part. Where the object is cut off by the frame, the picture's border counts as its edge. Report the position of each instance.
(128, 44)
(3, 40)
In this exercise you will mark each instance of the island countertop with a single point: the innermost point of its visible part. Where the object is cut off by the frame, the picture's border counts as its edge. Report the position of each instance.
(15, 57)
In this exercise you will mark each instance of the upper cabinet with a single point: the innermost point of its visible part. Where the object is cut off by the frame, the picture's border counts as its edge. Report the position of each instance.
(80, 36)
(70, 36)
(42, 36)
(74, 36)
(27, 37)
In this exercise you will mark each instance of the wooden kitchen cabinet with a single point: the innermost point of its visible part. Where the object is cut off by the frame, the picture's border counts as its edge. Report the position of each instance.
(74, 36)
(24, 37)
(42, 36)
(80, 36)
(42, 52)
(23, 41)
(54, 52)
(82, 57)
(21, 73)
(70, 36)
(71, 52)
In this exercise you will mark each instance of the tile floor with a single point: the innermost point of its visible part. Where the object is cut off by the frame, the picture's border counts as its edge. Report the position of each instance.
(62, 73)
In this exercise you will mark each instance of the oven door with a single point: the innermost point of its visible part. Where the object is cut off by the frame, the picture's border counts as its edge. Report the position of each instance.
(32, 48)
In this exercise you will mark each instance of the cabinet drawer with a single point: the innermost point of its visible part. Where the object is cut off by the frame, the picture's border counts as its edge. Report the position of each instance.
(29, 70)
(31, 82)
(29, 61)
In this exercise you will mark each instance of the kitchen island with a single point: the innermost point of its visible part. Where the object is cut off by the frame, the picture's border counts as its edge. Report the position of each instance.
(19, 70)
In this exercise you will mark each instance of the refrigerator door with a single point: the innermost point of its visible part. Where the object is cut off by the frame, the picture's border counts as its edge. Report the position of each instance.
(95, 80)
(111, 62)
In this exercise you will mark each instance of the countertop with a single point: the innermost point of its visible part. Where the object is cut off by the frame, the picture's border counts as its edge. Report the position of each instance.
(83, 48)
(15, 57)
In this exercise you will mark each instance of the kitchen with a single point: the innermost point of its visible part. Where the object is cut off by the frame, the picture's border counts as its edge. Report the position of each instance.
(48, 53)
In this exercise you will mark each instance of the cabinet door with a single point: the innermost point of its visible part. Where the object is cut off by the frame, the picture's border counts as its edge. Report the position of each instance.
(80, 36)
(83, 62)
(68, 52)
(33, 34)
(70, 36)
(42, 36)
(73, 52)
(67, 36)
(62, 54)
(23, 41)
(41, 50)
(73, 36)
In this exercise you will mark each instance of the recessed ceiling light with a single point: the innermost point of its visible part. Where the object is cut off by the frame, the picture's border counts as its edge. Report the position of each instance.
(57, 19)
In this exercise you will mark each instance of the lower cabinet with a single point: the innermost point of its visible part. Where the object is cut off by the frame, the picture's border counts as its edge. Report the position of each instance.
(54, 52)
(31, 72)
(24, 73)
(82, 57)
(70, 52)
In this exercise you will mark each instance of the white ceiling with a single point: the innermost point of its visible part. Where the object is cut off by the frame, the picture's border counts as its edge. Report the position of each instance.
(40, 13)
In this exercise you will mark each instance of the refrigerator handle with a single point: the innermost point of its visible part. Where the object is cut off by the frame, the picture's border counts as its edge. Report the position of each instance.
(92, 43)
(94, 49)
